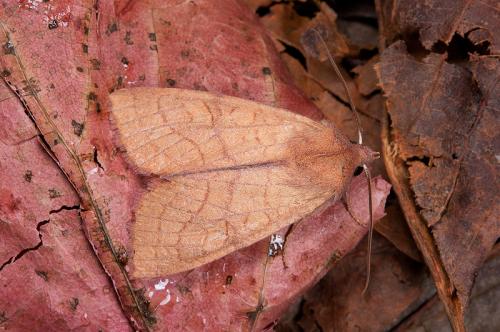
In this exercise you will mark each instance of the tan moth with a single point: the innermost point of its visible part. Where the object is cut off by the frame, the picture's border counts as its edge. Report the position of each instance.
(226, 172)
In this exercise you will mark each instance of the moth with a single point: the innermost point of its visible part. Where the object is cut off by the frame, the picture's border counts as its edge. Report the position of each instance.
(224, 173)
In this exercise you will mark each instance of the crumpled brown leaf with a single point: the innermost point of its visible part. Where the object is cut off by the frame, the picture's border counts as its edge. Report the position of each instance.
(442, 136)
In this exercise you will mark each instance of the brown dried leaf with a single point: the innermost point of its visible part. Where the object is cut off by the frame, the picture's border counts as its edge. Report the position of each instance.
(437, 21)
(399, 286)
(482, 314)
(287, 26)
(443, 140)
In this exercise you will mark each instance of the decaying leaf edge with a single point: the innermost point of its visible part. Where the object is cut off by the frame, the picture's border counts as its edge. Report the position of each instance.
(398, 175)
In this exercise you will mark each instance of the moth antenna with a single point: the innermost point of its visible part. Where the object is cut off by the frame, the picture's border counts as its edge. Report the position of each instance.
(365, 167)
(344, 84)
(370, 229)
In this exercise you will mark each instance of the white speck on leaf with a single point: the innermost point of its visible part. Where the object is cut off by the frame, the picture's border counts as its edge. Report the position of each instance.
(167, 298)
(33, 4)
(150, 294)
(161, 284)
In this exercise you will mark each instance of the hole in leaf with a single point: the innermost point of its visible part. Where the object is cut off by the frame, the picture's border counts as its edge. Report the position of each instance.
(305, 8)
(414, 45)
(263, 11)
(424, 159)
(460, 47)
(391, 198)
(295, 53)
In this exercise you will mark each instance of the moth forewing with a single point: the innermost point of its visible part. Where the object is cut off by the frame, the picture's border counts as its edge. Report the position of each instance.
(227, 172)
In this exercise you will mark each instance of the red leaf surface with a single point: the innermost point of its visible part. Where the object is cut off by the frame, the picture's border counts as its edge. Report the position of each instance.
(58, 284)
(60, 74)
(49, 277)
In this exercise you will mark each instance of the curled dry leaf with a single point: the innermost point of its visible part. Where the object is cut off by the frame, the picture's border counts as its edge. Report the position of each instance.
(441, 144)
(61, 61)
